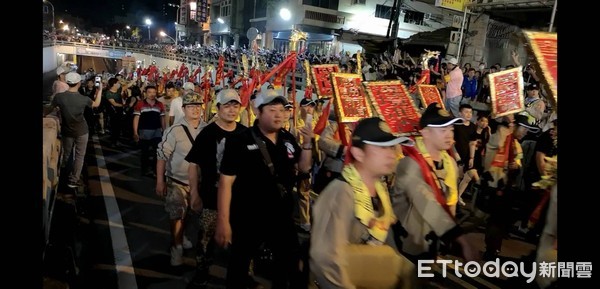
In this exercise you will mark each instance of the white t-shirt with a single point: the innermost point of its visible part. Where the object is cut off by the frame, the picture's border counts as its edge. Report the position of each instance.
(177, 109)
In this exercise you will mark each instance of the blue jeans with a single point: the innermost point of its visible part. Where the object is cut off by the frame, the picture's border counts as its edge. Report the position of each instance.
(80, 145)
(452, 105)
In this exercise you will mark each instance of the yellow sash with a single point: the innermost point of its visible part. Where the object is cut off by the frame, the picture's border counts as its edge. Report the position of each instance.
(363, 206)
(451, 178)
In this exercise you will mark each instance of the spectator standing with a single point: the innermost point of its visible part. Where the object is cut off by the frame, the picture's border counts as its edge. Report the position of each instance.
(172, 172)
(74, 129)
(148, 124)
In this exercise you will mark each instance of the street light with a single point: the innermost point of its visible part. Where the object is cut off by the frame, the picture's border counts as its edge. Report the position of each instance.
(285, 14)
(220, 20)
(127, 27)
(148, 22)
(52, 13)
(163, 34)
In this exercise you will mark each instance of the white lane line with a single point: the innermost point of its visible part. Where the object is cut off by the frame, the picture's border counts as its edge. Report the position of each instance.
(123, 262)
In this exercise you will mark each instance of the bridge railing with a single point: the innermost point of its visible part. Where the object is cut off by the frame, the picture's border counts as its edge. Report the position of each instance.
(187, 58)
(52, 154)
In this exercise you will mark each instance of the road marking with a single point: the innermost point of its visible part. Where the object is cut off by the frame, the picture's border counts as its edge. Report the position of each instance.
(123, 262)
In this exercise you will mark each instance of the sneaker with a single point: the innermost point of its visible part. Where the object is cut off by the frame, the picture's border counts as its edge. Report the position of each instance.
(187, 244)
(176, 256)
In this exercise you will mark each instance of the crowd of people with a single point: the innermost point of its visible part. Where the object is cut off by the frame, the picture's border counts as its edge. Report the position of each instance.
(356, 189)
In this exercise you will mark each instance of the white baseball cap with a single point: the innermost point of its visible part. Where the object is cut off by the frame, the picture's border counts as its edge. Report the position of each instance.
(73, 78)
(227, 95)
(267, 96)
(188, 86)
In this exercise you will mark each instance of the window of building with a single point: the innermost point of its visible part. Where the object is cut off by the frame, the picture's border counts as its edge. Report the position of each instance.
(226, 8)
(328, 4)
(414, 17)
(382, 11)
(358, 2)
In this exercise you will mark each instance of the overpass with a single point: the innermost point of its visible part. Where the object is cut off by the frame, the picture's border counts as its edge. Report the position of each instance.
(57, 52)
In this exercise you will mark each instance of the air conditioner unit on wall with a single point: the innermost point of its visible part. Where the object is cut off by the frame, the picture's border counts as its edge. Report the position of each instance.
(454, 37)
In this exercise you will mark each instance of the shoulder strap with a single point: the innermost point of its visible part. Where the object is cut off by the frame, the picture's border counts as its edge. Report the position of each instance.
(187, 131)
(263, 150)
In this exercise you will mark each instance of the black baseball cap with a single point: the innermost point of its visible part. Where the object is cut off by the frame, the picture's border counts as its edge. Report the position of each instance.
(307, 101)
(526, 122)
(436, 116)
(375, 131)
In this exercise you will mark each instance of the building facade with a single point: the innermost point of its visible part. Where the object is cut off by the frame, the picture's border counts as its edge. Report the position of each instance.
(334, 25)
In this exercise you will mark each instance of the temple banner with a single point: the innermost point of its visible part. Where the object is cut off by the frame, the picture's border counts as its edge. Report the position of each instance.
(393, 103)
(430, 94)
(543, 45)
(350, 97)
(322, 78)
(506, 89)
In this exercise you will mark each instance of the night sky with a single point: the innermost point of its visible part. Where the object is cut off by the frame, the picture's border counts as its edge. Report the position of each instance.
(100, 13)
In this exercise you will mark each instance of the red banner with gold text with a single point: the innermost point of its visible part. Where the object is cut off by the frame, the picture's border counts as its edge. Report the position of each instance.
(322, 79)
(393, 103)
(543, 45)
(430, 94)
(350, 97)
(506, 90)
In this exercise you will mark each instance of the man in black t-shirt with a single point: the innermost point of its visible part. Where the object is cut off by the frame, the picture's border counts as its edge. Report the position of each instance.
(254, 201)
(463, 133)
(205, 157)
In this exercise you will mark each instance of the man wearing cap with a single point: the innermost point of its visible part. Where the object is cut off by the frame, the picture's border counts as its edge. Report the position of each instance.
(255, 205)
(502, 163)
(60, 84)
(307, 109)
(174, 147)
(453, 87)
(205, 159)
(425, 190)
(74, 128)
(534, 105)
(176, 111)
(355, 208)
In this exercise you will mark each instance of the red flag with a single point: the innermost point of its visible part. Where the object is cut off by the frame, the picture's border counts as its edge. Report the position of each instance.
(322, 122)
(219, 76)
(193, 77)
(183, 71)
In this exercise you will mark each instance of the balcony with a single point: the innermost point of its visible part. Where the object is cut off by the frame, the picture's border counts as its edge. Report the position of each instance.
(325, 17)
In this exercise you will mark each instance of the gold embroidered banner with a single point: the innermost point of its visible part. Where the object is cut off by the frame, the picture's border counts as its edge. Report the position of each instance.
(322, 78)
(430, 94)
(393, 103)
(506, 89)
(543, 45)
(350, 97)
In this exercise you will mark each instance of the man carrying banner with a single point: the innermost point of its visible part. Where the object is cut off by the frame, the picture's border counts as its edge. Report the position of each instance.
(425, 190)
(353, 217)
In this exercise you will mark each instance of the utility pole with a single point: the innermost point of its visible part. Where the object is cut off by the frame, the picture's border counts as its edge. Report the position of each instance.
(395, 26)
(392, 17)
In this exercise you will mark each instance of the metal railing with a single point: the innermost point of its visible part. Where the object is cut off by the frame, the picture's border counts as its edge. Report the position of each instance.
(188, 59)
